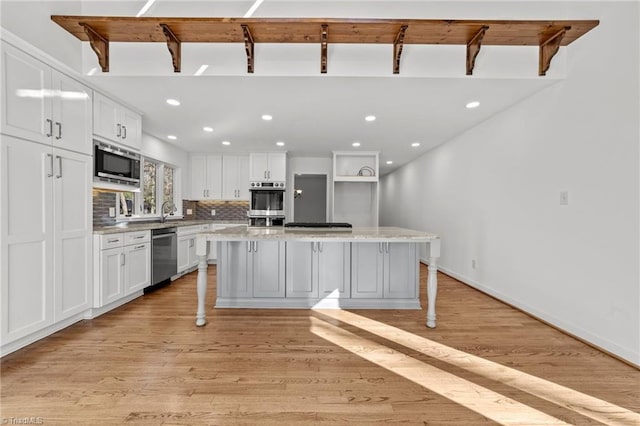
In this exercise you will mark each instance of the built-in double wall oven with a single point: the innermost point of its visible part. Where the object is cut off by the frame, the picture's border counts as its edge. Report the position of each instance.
(266, 203)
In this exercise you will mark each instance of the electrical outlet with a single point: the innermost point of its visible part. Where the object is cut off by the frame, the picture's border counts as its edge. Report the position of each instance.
(112, 212)
(189, 211)
(473, 263)
(213, 212)
(564, 198)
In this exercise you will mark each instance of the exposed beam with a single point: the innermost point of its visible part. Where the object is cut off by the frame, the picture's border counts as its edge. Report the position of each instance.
(248, 47)
(324, 36)
(473, 48)
(397, 48)
(174, 46)
(548, 50)
(99, 45)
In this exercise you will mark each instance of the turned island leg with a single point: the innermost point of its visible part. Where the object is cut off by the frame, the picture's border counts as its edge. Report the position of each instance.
(432, 282)
(201, 252)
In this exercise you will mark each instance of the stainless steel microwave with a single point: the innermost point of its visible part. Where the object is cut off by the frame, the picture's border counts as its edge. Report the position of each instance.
(114, 165)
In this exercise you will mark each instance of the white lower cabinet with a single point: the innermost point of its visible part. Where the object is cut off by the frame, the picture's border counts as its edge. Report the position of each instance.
(45, 236)
(384, 270)
(318, 269)
(122, 266)
(187, 235)
(252, 269)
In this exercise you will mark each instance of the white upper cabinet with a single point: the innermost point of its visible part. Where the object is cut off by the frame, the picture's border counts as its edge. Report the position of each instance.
(43, 105)
(206, 177)
(116, 123)
(235, 177)
(268, 166)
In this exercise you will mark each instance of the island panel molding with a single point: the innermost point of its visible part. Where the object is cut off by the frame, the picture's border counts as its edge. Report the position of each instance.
(100, 30)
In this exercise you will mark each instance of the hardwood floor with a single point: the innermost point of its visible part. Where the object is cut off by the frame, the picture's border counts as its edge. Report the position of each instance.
(147, 363)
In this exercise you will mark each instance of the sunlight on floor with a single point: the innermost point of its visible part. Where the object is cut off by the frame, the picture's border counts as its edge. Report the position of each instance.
(486, 402)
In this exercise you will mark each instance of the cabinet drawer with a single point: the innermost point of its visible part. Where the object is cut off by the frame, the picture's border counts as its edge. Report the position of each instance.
(109, 241)
(137, 237)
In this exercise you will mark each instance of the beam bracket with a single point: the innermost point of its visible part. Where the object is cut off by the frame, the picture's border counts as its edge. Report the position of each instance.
(473, 48)
(174, 46)
(397, 49)
(548, 50)
(248, 47)
(324, 36)
(99, 45)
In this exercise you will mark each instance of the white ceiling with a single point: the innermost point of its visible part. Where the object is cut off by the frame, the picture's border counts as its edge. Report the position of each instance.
(313, 113)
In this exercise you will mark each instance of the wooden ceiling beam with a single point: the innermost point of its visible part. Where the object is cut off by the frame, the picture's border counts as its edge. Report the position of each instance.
(99, 44)
(174, 46)
(397, 48)
(473, 48)
(548, 50)
(248, 47)
(324, 37)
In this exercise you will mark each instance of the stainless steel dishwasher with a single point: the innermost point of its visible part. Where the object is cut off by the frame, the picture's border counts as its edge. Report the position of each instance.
(164, 255)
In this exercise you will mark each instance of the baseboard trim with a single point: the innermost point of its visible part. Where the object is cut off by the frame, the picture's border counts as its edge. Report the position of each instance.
(596, 342)
(40, 334)
(326, 303)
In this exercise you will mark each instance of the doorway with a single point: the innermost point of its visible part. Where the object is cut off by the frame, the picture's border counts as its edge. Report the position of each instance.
(310, 198)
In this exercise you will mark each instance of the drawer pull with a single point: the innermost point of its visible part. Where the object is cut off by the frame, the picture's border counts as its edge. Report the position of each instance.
(115, 240)
(139, 247)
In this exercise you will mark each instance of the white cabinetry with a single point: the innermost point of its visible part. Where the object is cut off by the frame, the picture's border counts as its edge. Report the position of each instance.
(187, 258)
(235, 177)
(43, 105)
(206, 177)
(268, 166)
(355, 188)
(116, 123)
(385, 270)
(252, 269)
(122, 265)
(318, 269)
(46, 227)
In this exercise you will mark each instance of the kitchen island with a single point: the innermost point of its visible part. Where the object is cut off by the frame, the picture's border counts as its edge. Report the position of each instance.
(359, 268)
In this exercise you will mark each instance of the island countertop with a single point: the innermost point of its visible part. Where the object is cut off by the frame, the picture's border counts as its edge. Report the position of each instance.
(364, 234)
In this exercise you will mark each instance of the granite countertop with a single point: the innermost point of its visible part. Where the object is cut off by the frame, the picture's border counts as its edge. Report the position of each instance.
(372, 234)
(144, 226)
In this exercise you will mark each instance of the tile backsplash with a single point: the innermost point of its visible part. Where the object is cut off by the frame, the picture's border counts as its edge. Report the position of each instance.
(102, 200)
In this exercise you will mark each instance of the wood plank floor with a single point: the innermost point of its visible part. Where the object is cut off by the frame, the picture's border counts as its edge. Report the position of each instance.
(147, 363)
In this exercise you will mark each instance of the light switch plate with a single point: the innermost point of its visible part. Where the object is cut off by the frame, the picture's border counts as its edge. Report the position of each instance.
(213, 212)
(112, 212)
(189, 211)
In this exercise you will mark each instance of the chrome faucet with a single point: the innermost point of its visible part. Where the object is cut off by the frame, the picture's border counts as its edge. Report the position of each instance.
(162, 215)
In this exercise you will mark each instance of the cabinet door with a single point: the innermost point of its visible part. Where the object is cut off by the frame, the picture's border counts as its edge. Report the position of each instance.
(366, 270)
(268, 269)
(401, 271)
(106, 118)
(234, 279)
(26, 243)
(214, 177)
(137, 267)
(258, 166)
(193, 259)
(73, 228)
(72, 115)
(334, 270)
(198, 177)
(183, 254)
(26, 100)
(277, 167)
(111, 275)
(243, 178)
(131, 133)
(302, 269)
(230, 177)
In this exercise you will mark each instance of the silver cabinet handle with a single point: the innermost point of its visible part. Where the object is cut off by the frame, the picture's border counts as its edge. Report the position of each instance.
(59, 130)
(139, 237)
(269, 174)
(119, 130)
(255, 246)
(59, 175)
(320, 246)
(50, 174)
(139, 247)
(313, 247)
(115, 240)
(265, 174)
(122, 259)
(249, 246)
(204, 192)
(124, 132)
(50, 127)
(191, 242)
(380, 248)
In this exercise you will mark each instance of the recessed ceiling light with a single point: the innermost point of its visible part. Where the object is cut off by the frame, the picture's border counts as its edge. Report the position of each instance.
(267, 117)
(356, 144)
(172, 137)
(370, 118)
(227, 143)
(207, 129)
(280, 143)
(389, 162)
(415, 144)
(173, 102)
(473, 104)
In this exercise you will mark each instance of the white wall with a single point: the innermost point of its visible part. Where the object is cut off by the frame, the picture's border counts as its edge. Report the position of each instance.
(493, 192)
(170, 154)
